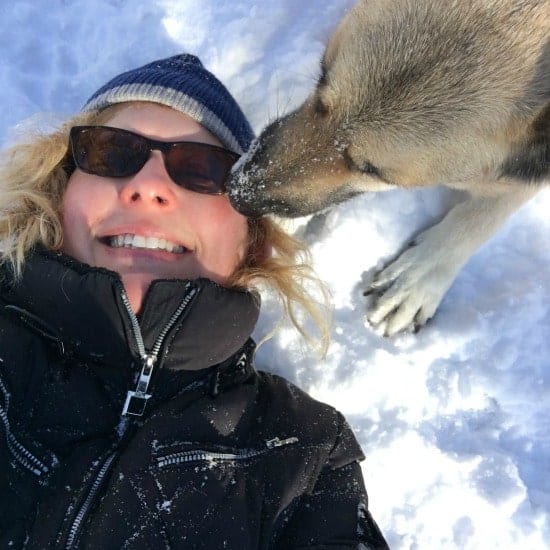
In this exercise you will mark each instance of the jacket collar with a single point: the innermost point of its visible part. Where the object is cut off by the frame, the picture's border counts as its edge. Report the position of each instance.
(80, 309)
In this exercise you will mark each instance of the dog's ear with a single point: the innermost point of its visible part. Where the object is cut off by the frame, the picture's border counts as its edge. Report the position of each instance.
(531, 160)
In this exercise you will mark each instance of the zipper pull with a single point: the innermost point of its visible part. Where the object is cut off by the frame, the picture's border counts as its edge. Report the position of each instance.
(276, 442)
(137, 399)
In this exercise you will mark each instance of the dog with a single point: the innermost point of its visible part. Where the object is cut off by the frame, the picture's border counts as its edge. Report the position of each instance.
(414, 93)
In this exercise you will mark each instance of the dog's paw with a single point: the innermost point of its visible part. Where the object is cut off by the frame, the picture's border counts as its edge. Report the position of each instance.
(406, 293)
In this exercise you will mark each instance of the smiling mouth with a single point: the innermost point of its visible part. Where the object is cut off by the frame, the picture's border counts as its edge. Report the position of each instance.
(129, 240)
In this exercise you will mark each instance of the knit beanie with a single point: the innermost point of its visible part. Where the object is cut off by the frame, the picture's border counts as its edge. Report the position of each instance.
(181, 82)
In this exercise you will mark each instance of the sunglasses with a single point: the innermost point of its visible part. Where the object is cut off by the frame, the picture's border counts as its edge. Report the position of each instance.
(116, 153)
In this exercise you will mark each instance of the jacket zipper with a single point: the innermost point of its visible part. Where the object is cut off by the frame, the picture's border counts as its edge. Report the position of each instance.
(77, 522)
(19, 452)
(137, 398)
(200, 455)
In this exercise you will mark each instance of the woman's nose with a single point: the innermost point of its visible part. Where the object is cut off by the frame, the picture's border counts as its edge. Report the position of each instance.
(151, 186)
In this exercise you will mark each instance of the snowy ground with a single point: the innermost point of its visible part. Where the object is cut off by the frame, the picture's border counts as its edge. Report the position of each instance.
(455, 420)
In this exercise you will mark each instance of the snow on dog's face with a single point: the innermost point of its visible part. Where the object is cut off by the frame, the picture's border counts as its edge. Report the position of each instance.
(410, 94)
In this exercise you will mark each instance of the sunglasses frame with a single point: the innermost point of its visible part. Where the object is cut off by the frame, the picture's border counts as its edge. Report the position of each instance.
(155, 145)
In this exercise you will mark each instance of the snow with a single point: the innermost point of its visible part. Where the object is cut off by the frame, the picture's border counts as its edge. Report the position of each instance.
(454, 420)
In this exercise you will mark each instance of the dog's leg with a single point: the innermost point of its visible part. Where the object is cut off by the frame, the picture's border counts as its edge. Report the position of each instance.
(409, 290)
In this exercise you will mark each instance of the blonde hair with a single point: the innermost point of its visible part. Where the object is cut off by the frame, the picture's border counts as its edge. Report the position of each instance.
(33, 178)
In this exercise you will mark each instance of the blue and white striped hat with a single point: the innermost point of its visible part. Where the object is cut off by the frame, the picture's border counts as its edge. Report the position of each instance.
(181, 82)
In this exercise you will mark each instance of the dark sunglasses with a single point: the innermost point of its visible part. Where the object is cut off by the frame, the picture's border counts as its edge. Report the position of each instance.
(116, 153)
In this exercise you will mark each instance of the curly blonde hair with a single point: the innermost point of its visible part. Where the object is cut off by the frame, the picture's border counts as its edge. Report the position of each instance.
(33, 178)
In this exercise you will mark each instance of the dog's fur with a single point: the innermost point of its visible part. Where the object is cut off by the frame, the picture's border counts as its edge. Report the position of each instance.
(414, 93)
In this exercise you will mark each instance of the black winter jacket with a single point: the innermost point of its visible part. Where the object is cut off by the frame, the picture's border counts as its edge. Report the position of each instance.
(157, 432)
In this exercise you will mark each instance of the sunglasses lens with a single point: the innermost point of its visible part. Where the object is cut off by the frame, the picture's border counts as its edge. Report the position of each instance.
(199, 167)
(108, 152)
(116, 153)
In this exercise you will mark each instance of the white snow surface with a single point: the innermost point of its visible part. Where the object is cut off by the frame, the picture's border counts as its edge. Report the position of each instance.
(454, 420)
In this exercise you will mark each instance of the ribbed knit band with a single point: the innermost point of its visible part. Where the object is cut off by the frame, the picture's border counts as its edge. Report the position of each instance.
(181, 82)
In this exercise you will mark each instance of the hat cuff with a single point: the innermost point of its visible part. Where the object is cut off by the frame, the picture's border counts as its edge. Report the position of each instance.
(171, 98)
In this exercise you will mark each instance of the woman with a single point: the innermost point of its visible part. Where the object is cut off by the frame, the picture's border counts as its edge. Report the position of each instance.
(132, 414)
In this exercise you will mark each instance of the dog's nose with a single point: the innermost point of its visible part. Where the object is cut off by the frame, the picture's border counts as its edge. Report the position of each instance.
(244, 193)
(245, 201)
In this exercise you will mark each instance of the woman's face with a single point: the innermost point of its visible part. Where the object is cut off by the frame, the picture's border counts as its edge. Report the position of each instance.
(182, 234)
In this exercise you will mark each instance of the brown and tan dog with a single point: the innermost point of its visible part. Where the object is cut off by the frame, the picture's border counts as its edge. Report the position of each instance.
(415, 93)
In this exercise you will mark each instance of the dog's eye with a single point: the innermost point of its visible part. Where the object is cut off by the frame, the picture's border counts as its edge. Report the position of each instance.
(365, 167)
(368, 168)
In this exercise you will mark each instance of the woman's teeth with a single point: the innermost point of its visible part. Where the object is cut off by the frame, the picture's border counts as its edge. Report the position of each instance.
(137, 241)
